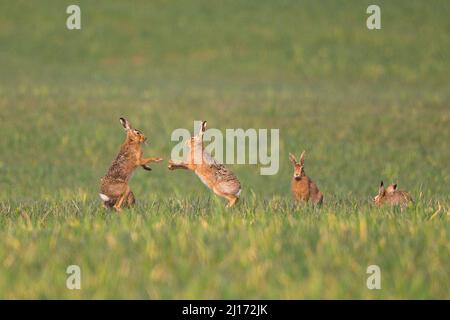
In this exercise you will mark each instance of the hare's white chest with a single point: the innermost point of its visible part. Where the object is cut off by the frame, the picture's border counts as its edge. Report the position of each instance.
(202, 179)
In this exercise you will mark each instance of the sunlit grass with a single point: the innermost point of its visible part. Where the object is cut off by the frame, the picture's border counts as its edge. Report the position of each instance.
(192, 249)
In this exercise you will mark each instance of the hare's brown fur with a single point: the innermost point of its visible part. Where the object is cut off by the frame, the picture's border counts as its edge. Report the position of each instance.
(392, 196)
(214, 175)
(114, 188)
(302, 187)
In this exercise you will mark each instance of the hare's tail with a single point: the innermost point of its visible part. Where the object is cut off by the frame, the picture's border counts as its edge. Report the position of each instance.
(104, 197)
(107, 201)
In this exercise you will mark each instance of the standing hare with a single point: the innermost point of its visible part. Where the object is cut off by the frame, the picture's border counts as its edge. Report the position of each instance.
(114, 188)
(392, 196)
(303, 188)
(213, 174)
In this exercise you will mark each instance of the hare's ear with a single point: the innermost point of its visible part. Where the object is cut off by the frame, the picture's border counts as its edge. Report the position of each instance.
(302, 158)
(381, 189)
(125, 123)
(391, 188)
(292, 158)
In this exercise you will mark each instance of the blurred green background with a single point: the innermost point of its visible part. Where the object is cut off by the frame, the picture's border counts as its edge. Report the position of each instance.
(366, 105)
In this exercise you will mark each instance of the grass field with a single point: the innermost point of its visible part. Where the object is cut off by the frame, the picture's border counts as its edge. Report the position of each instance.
(366, 105)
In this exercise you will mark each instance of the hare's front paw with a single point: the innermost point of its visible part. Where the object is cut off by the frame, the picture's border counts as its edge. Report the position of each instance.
(170, 165)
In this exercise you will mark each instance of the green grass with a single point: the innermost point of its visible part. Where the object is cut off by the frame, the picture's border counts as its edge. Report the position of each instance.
(191, 248)
(366, 105)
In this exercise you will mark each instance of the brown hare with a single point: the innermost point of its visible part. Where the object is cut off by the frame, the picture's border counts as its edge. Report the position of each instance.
(213, 174)
(392, 196)
(115, 191)
(303, 188)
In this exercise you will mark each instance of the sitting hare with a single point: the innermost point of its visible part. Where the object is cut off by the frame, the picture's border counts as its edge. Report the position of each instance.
(114, 188)
(392, 196)
(303, 188)
(213, 174)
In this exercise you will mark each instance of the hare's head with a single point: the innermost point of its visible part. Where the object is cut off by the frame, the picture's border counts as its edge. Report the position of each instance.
(197, 140)
(378, 199)
(132, 134)
(299, 167)
(384, 192)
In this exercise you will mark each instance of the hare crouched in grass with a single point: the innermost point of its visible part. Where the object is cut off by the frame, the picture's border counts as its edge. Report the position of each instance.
(213, 174)
(303, 188)
(115, 191)
(392, 196)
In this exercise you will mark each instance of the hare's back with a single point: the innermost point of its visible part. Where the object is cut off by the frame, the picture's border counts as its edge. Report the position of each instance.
(400, 197)
(313, 187)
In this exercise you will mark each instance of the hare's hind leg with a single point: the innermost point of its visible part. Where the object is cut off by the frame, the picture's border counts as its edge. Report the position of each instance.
(232, 200)
(122, 198)
(319, 199)
(131, 200)
(108, 204)
(227, 191)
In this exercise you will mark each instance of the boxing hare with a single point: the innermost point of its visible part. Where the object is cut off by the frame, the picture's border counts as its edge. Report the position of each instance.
(114, 188)
(213, 174)
(392, 196)
(303, 188)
